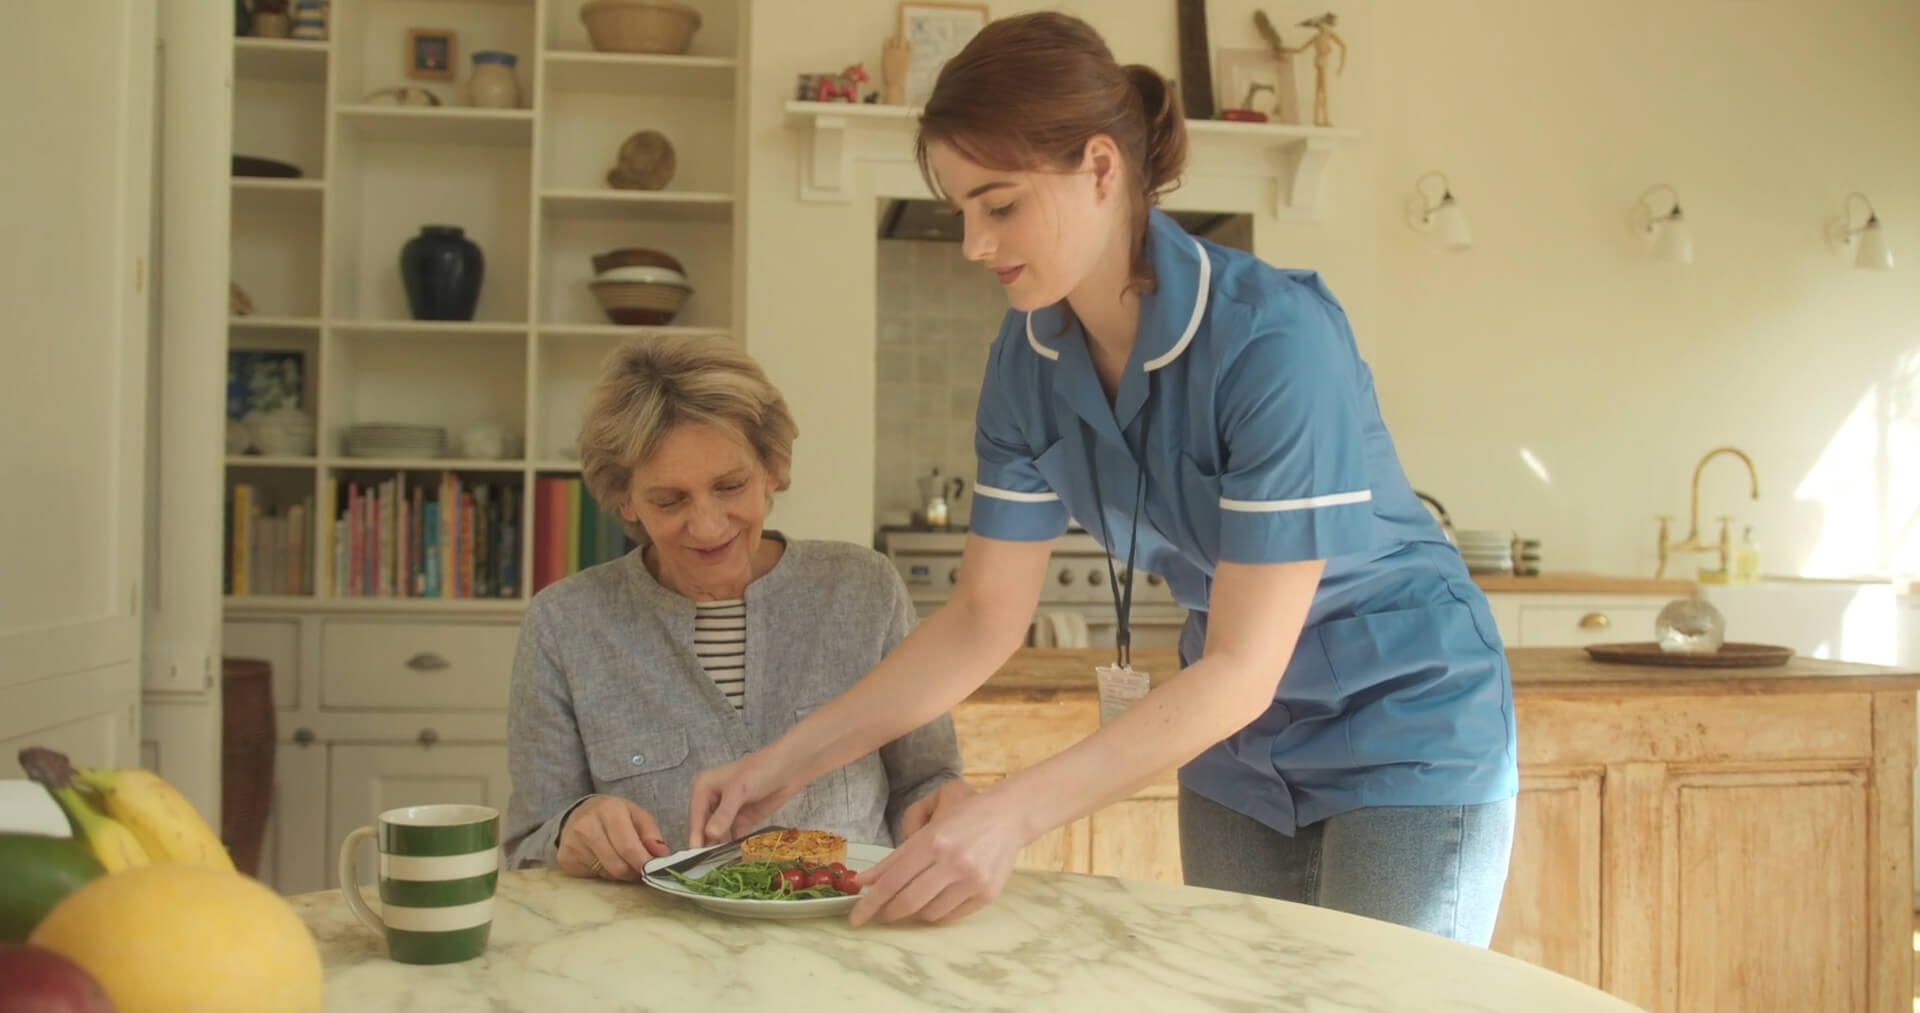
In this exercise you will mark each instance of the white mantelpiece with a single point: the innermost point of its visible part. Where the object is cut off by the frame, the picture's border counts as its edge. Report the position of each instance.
(1256, 168)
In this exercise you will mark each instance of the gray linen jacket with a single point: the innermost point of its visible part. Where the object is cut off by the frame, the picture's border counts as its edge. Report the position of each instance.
(608, 697)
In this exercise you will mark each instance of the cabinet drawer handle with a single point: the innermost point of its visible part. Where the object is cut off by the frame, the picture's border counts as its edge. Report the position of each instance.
(1595, 621)
(427, 661)
(303, 736)
(428, 736)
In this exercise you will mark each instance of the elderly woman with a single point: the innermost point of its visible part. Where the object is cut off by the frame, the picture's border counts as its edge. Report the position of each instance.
(707, 642)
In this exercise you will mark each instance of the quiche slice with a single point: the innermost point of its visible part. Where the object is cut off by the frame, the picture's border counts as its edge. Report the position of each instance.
(816, 846)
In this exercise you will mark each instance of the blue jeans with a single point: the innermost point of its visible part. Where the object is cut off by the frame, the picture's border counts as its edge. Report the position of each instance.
(1440, 869)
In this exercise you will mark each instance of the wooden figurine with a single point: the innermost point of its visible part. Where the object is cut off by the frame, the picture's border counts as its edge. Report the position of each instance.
(844, 86)
(1323, 42)
(896, 60)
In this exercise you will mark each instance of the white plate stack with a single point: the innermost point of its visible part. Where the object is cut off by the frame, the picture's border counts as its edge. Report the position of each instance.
(381, 439)
(1486, 551)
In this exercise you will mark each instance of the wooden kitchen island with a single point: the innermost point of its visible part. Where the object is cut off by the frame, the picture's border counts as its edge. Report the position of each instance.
(1687, 839)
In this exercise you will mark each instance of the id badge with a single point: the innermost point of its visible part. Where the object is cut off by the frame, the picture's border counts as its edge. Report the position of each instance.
(1121, 686)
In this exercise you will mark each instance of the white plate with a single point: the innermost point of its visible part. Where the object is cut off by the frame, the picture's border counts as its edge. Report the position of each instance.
(860, 857)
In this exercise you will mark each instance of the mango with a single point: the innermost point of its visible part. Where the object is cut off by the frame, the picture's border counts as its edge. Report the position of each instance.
(173, 938)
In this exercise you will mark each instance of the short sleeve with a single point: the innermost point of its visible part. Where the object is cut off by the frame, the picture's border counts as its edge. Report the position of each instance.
(1295, 482)
(1012, 501)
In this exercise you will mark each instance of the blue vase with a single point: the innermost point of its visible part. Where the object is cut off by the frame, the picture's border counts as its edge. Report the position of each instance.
(441, 269)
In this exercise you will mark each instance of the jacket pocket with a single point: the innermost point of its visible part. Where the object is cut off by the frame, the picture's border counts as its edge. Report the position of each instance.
(645, 768)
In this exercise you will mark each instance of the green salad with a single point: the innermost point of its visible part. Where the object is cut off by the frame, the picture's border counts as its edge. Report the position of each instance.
(771, 881)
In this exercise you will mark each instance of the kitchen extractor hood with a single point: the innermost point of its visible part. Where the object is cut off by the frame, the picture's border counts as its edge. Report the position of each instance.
(935, 221)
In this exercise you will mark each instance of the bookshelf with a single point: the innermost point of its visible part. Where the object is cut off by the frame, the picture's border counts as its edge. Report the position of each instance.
(317, 256)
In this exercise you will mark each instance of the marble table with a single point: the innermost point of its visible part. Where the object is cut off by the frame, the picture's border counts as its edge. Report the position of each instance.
(1053, 941)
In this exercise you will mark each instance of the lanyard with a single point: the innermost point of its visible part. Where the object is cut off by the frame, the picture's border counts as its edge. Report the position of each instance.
(1122, 606)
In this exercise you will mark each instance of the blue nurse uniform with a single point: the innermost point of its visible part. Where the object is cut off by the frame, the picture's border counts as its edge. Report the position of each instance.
(1264, 444)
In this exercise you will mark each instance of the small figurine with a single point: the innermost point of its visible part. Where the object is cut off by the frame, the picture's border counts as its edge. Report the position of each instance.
(844, 86)
(896, 58)
(1322, 44)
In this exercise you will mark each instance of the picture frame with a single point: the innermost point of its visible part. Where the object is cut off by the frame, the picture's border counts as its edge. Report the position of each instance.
(431, 53)
(937, 32)
(1238, 71)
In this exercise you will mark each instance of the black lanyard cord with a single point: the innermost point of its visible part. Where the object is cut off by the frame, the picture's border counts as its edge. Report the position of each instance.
(1123, 605)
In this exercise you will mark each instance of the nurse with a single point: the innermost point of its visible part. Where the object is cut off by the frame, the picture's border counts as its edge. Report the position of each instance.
(1343, 718)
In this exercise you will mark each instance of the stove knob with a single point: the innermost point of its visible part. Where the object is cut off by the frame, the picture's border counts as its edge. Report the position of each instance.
(953, 576)
(1066, 578)
(1096, 578)
(1153, 580)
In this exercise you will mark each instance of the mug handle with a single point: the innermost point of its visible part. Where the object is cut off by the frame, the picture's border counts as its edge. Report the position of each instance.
(350, 881)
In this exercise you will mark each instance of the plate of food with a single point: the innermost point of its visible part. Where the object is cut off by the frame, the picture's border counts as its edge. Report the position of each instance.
(779, 874)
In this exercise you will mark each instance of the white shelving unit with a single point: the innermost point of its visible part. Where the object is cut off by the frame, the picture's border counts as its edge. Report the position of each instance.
(319, 254)
(385, 701)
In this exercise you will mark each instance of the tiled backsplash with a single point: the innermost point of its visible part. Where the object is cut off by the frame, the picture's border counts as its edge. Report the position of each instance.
(938, 314)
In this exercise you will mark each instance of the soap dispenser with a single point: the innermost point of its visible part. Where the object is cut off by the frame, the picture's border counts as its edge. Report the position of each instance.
(1746, 559)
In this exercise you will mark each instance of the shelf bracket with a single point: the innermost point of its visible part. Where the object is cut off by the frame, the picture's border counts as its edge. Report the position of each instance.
(1301, 195)
(829, 169)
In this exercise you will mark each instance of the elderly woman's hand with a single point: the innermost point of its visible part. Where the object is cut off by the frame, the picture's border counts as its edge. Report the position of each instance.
(610, 838)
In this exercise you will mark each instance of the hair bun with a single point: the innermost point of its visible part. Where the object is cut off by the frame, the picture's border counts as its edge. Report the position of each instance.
(1166, 149)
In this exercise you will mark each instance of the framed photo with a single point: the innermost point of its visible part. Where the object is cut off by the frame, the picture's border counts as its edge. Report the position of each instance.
(431, 54)
(1261, 74)
(260, 380)
(937, 32)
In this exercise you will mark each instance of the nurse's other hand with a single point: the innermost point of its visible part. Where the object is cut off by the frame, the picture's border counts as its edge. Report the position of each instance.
(608, 837)
(956, 865)
(734, 799)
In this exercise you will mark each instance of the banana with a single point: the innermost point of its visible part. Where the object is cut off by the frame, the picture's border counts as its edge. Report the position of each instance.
(110, 840)
(167, 826)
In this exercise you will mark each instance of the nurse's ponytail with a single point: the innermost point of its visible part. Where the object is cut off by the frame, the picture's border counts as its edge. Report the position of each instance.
(1029, 91)
(1165, 157)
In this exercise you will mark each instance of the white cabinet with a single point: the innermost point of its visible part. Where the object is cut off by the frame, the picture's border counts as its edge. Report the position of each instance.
(366, 780)
(297, 856)
(372, 732)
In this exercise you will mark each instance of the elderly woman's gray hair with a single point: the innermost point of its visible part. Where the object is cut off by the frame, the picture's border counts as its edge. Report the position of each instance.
(650, 386)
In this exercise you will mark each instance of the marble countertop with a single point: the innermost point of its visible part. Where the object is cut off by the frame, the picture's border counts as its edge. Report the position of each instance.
(1536, 670)
(1053, 941)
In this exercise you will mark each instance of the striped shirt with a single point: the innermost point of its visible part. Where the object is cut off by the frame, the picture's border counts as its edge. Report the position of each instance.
(720, 640)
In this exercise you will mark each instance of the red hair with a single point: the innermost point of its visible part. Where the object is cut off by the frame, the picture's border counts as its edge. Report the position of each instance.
(1030, 91)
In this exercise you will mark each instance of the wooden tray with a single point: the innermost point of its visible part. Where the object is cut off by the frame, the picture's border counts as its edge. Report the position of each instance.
(1730, 655)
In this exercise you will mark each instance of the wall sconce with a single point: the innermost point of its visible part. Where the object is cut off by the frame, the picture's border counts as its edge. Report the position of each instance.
(1869, 241)
(1442, 216)
(1672, 242)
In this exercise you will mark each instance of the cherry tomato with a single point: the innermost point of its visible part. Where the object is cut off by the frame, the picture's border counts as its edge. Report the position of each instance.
(794, 879)
(837, 869)
(820, 877)
(849, 883)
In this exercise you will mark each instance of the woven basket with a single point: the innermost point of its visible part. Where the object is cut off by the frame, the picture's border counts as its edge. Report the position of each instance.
(639, 26)
(246, 758)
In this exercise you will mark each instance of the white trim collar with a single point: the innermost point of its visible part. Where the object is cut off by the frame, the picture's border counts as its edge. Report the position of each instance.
(1203, 284)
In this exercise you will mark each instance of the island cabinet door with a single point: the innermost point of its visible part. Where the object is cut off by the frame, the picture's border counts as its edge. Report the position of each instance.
(366, 780)
(1062, 849)
(1138, 837)
(1550, 912)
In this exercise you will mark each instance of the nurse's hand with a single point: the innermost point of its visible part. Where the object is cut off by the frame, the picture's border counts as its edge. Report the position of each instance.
(954, 866)
(736, 798)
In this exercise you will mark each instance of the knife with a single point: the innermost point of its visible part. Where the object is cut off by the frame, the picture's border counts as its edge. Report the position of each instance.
(705, 855)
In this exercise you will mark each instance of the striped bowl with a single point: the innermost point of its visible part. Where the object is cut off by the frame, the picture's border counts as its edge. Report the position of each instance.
(439, 866)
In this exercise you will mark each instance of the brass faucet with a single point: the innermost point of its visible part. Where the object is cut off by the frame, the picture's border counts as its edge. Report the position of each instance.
(1692, 542)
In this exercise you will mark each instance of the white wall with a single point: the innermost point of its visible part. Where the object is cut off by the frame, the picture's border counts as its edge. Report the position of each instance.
(1554, 335)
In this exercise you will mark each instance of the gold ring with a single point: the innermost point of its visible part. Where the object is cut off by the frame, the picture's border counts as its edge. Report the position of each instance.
(595, 868)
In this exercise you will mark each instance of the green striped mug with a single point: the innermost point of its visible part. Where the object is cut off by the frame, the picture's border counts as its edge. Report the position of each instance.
(439, 865)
